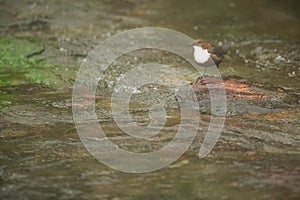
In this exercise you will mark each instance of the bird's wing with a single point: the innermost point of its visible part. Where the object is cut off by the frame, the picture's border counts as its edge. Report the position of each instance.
(219, 51)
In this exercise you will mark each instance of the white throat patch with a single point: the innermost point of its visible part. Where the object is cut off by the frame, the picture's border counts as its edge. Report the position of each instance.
(201, 55)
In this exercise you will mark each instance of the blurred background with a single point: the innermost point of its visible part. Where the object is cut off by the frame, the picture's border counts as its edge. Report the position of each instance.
(42, 44)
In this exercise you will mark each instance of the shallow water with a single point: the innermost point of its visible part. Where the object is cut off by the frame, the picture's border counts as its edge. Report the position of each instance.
(257, 155)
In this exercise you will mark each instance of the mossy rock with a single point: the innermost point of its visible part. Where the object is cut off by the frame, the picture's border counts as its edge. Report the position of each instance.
(22, 62)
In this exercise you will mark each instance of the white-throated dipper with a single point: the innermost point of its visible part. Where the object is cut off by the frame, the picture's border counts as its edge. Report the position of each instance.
(204, 50)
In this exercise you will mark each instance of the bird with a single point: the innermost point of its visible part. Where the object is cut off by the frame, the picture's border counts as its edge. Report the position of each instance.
(203, 51)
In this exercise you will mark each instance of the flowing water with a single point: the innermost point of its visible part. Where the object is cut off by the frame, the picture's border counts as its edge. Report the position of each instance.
(42, 45)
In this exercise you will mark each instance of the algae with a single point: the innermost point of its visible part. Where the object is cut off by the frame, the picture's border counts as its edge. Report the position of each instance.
(22, 62)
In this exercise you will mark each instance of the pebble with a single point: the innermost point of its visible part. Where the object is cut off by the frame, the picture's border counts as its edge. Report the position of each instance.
(62, 49)
(279, 59)
(293, 74)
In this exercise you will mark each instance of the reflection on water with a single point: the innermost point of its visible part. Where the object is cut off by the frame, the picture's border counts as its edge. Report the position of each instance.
(257, 156)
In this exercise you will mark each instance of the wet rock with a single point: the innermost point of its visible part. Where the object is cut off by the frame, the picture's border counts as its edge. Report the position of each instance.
(243, 97)
(259, 50)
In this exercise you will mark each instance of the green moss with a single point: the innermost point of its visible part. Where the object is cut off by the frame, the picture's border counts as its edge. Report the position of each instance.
(5, 99)
(21, 62)
(15, 52)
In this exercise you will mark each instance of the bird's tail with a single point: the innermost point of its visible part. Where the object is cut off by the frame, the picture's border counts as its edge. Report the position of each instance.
(220, 50)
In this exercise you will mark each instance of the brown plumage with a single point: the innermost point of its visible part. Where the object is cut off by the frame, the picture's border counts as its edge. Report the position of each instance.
(217, 53)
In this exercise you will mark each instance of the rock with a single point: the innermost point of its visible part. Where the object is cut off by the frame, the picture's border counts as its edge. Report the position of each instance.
(279, 59)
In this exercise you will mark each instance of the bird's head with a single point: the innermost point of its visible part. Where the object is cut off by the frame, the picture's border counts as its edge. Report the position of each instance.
(197, 42)
(201, 43)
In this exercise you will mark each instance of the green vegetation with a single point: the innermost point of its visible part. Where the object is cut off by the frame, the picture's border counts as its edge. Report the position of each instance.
(21, 62)
(15, 52)
(5, 99)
